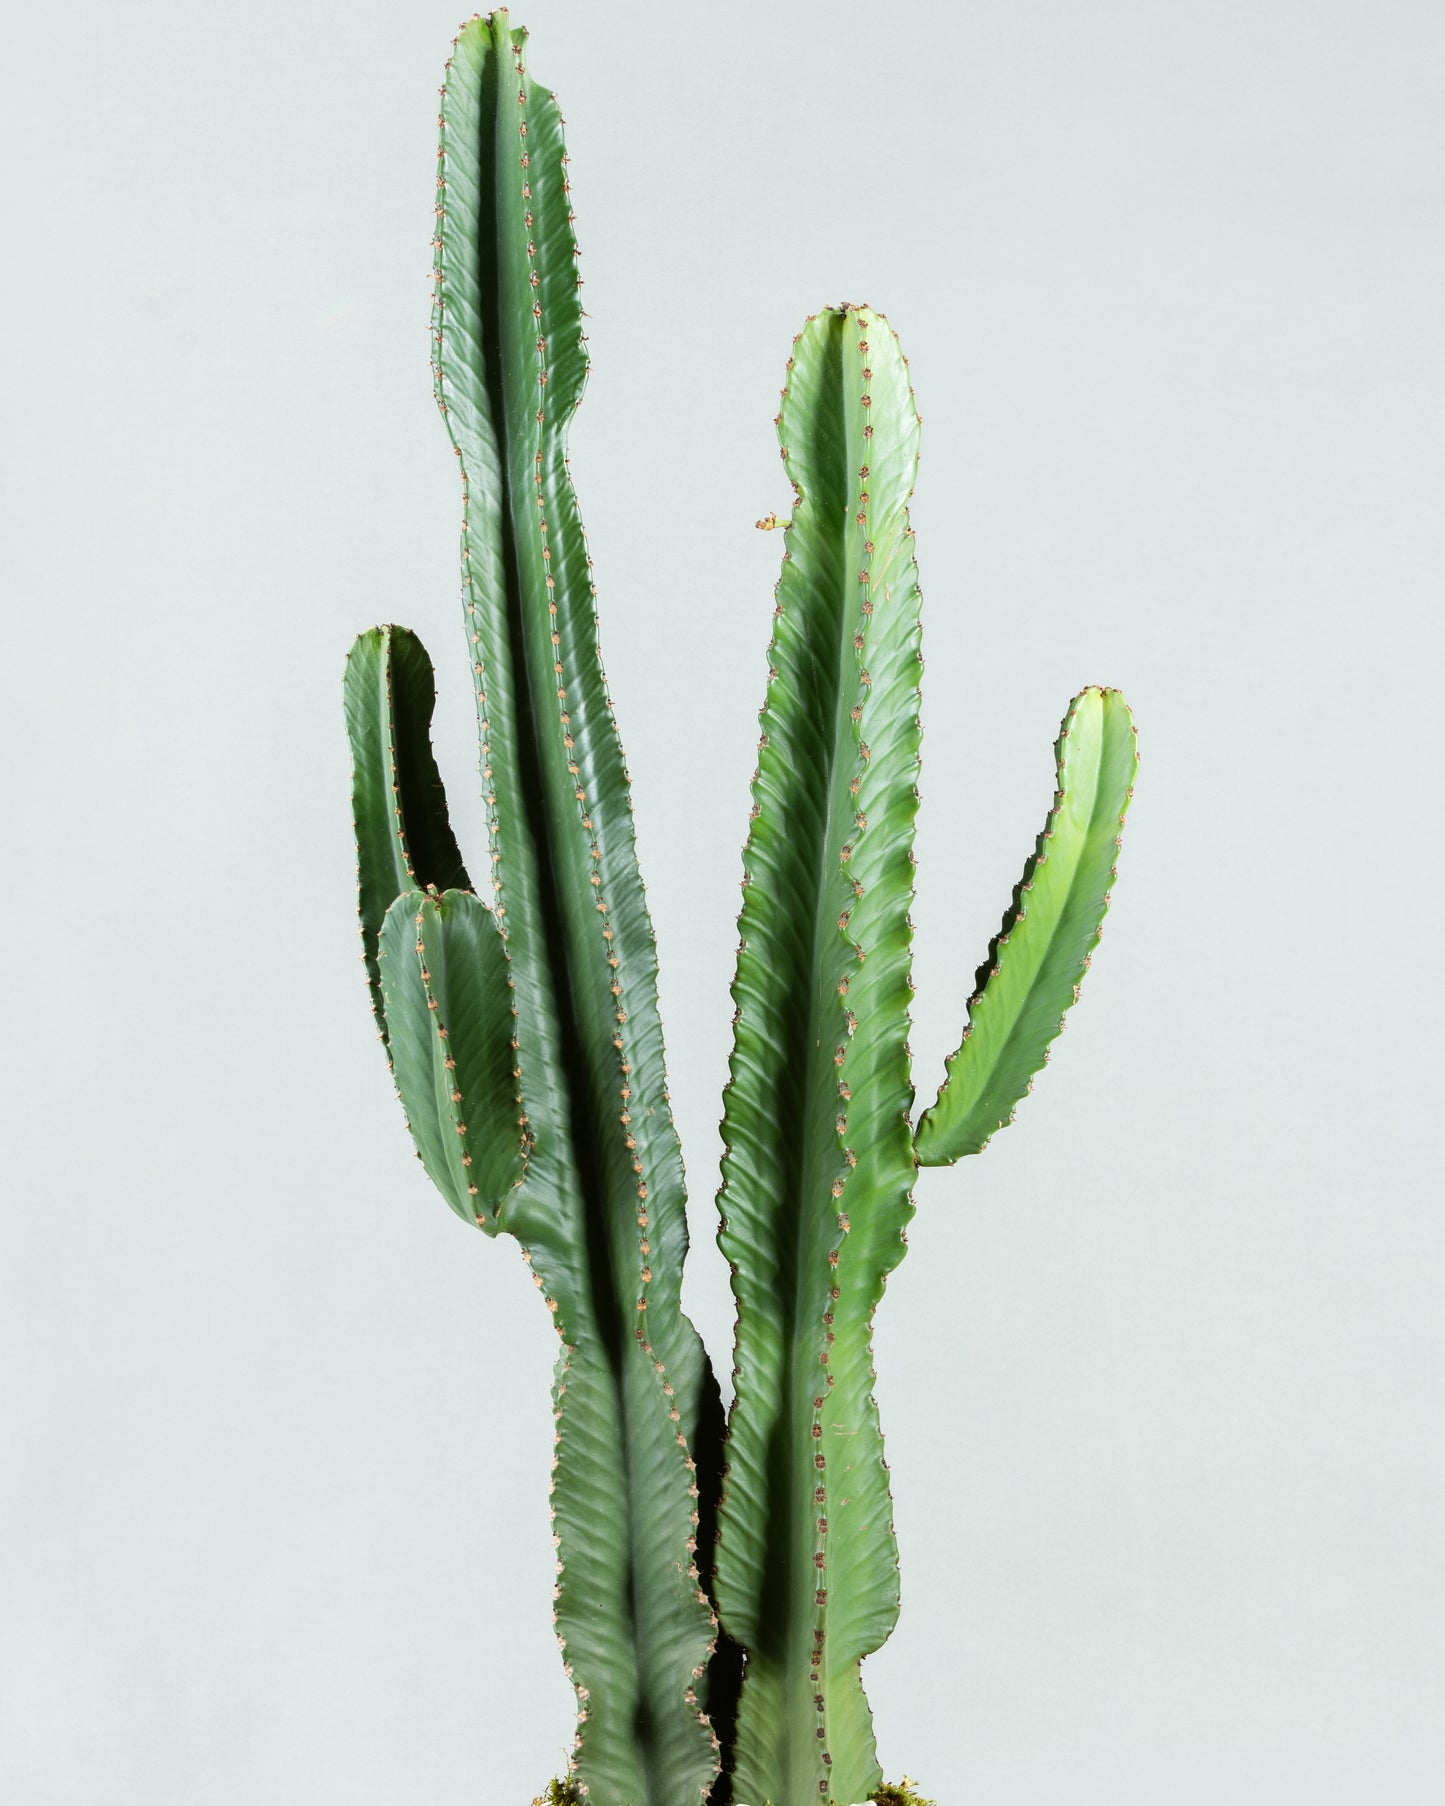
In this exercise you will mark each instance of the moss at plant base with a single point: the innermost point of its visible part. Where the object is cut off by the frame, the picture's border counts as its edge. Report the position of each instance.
(900, 1793)
(563, 1793)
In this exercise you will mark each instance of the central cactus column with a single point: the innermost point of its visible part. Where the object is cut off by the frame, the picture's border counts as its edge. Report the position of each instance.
(819, 1161)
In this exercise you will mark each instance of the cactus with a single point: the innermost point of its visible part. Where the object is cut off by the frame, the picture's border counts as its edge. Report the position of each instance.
(713, 1628)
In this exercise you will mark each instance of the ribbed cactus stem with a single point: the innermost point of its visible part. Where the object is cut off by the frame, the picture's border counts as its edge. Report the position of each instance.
(601, 1213)
(818, 1163)
(525, 1035)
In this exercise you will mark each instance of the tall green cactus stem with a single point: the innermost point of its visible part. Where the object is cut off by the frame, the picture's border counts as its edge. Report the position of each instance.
(818, 1163)
(599, 1211)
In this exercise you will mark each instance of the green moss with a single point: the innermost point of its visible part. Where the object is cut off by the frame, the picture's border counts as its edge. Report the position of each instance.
(900, 1794)
(559, 1793)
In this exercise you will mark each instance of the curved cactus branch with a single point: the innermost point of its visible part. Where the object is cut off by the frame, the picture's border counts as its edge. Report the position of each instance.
(818, 1162)
(1037, 960)
(404, 840)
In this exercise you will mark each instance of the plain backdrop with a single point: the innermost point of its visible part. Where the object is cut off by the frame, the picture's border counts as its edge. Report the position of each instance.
(1163, 1376)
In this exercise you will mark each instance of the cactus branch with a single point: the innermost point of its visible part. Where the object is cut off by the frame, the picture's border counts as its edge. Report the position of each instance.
(452, 1033)
(1037, 960)
(404, 840)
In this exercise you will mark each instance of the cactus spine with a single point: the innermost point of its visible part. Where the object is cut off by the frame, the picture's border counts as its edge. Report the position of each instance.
(524, 1038)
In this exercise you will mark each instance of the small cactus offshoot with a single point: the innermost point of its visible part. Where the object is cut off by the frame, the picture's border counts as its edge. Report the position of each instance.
(719, 1582)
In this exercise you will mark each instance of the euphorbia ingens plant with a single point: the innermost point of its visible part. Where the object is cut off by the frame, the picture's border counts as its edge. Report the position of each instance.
(718, 1583)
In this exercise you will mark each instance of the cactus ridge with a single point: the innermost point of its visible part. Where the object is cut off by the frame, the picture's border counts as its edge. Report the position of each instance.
(818, 1164)
(1035, 964)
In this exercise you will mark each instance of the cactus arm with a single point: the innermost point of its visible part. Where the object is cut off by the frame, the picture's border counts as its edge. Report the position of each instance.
(1037, 960)
(451, 1031)
(818, 1161)
(404, 840)
(601, 1213)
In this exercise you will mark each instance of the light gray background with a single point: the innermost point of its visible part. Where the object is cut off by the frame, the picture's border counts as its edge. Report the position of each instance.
(1162, 1378)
